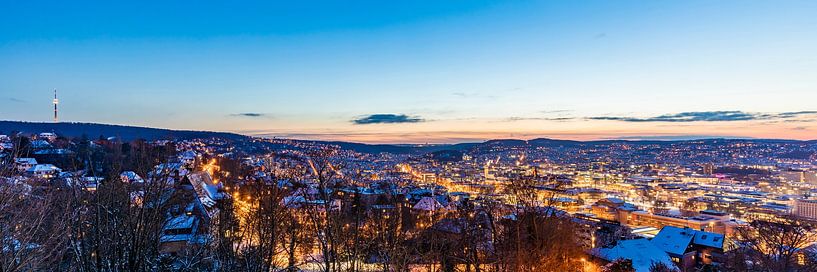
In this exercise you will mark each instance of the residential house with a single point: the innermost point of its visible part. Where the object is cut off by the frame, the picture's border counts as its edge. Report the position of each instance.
(690, 248)
(43, 171)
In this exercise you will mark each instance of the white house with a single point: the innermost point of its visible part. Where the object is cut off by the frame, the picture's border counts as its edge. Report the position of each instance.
(206, 188)
(43, 171)
(429, 204)
(24, 164)
(642, 252)
(48, 136)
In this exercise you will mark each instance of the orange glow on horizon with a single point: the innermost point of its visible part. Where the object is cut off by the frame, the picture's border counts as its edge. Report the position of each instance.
(456, 132)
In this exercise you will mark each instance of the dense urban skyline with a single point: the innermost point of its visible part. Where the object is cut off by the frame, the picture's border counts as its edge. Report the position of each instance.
(420, 72)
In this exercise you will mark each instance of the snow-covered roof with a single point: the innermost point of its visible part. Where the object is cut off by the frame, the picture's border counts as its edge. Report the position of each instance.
(615, 200)
(180, 228)
(708, 239)
(93, 179)
(205, 187)
(130, 176)
(294, 201)
(642, 252)
(54, 151)
(674, 240)
(43, 168)
(565, 200)
(40, 144)
(25, 160)
(420, 192)
(284, 183)
(181, 222)
(188, 155)
(428, 204)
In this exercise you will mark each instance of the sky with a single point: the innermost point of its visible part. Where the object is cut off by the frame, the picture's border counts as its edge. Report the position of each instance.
(418, 71)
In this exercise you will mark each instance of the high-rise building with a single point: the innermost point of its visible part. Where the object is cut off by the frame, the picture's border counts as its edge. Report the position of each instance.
(806, 208)
(793, 176)
(709, 169)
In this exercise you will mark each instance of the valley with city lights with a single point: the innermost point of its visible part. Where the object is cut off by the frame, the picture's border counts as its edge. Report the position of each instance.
(408, 136)
(260, 204)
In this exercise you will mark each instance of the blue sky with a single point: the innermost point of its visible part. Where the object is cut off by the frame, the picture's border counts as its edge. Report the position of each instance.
(434, 71)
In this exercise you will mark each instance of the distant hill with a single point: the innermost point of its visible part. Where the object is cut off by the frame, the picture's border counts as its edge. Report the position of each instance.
(126, 133)
(399, 148)
(539, 142)
(447, 155)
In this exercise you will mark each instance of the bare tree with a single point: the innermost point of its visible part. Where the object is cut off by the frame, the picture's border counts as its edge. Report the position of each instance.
(772, 245)
(662, 267)
(322, 215)
(537, 236)
(620, 265)
(30, 229)
(262, 228)
(225, 233)
(116, 225)
(388, 241)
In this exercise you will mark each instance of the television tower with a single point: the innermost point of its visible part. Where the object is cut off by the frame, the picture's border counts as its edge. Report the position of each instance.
(56, 101)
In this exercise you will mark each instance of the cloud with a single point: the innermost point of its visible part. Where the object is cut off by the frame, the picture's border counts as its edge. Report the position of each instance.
(12, 99)
(516, 118)
(465, 95)
(793, 114)
(709, 116)
(248, 114)
(386, 119)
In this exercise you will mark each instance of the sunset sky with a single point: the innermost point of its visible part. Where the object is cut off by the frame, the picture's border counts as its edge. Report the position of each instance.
(420, 71)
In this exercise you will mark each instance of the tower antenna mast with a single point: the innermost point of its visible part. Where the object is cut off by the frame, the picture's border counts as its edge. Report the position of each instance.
(56, 101)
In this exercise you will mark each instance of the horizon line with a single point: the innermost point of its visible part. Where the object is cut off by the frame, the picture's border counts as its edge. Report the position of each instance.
(627, 138)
